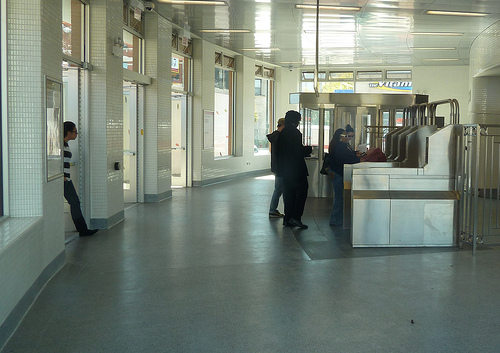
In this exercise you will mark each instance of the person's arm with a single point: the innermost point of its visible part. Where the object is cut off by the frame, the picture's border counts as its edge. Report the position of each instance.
(345, 156)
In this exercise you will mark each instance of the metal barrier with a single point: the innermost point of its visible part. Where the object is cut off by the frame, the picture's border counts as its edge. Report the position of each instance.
(479, 185)
(425, 113)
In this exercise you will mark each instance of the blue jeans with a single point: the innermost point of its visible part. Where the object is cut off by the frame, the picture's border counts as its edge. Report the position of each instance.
(279, 187)
(336, 218)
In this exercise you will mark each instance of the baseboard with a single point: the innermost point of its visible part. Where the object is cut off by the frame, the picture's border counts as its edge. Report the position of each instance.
(153, 198)
(106, 223)
(254, 173)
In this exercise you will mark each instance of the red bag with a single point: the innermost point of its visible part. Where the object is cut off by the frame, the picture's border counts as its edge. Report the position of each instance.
(375, 155)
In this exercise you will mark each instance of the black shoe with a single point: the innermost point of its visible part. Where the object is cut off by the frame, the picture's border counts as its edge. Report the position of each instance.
(294, 223)
(285, 223)
(88, 232)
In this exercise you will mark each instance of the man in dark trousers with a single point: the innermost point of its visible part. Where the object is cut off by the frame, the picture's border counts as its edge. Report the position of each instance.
(292, 167)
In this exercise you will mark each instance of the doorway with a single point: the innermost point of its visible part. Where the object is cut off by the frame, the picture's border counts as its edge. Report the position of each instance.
(131, 118)
(179, 139)
(72, 111)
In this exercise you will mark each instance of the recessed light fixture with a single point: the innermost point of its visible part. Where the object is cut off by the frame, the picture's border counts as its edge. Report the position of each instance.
(225, 30)
(437, 34)
(194, 2)
(327, 7)
(440, 59)
(456, 13)
(423, 48)
(262, 49)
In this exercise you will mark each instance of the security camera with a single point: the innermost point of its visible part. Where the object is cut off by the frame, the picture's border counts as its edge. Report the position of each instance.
(149, 6)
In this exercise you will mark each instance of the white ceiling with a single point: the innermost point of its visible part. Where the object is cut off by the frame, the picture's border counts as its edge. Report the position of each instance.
(379, 34)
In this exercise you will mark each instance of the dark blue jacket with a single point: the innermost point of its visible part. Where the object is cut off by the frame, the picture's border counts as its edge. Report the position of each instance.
(342, 154)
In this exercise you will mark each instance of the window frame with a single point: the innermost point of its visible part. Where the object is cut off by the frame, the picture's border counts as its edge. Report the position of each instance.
(84, 23)
(231, 110)
(266, 74)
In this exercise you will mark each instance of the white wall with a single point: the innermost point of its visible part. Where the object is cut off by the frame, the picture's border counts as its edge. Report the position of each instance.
(288, 81)
(32, 237)
(207, 168)
(444, 82)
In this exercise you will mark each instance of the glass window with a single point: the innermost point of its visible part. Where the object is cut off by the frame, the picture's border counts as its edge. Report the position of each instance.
(309, 75)
(263, 115)
(180, 73)
(223, 117)
(329, 87)
(73, 33)
(132, 50)
(341, 75)
(398, 74)
(135, 19)
(1, 163)
(369, 74)
(1, 133)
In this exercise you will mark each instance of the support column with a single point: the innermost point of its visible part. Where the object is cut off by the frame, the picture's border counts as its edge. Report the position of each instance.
(106, 114)
(157, 114)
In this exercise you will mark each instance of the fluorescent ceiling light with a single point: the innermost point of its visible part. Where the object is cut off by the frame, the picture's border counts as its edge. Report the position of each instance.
(327, 7)
(225, 30)
(437, 34)
(328, 32)
(440, 59)
(456, 13)
(423, 48)
(193, 2)
(262, 49)
(290, 62)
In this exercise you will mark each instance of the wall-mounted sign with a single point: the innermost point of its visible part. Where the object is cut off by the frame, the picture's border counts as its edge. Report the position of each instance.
(401, 86)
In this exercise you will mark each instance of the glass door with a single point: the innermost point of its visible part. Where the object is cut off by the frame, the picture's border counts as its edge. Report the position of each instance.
(179, 139)
(71, 112)
(130, 118)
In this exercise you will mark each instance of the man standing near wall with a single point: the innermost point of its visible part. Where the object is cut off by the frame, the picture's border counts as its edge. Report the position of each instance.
(292, 166)
(70, 133)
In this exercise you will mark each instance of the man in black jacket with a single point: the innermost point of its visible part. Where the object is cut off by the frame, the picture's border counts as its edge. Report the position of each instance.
(292, 166)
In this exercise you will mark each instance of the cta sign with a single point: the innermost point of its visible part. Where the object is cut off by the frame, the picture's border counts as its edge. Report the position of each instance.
(399, 86)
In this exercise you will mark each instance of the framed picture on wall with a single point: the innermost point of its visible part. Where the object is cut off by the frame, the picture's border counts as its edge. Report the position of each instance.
(53, 118)
(208, 129)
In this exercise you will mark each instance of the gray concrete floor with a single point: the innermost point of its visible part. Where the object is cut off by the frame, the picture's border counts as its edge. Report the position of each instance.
(208, 271)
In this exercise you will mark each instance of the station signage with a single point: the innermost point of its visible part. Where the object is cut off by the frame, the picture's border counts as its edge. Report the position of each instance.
(398, 86)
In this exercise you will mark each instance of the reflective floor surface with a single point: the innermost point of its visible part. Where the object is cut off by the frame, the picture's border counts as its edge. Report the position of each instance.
(208, 271)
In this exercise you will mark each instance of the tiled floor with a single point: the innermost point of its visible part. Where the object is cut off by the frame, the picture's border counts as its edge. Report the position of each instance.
(208, 271)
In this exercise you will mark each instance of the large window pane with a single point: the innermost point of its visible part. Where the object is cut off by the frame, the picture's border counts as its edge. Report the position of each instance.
(73, 29)
(263, 115)
(329, 87)
(1, 133)
(132, 48)
(223, 119)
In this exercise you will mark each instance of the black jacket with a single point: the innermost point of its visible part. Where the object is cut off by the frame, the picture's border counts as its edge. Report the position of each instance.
(291, 153)
(273, 137)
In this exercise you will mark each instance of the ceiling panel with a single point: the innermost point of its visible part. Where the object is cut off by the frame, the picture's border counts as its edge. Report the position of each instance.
(380, 33)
